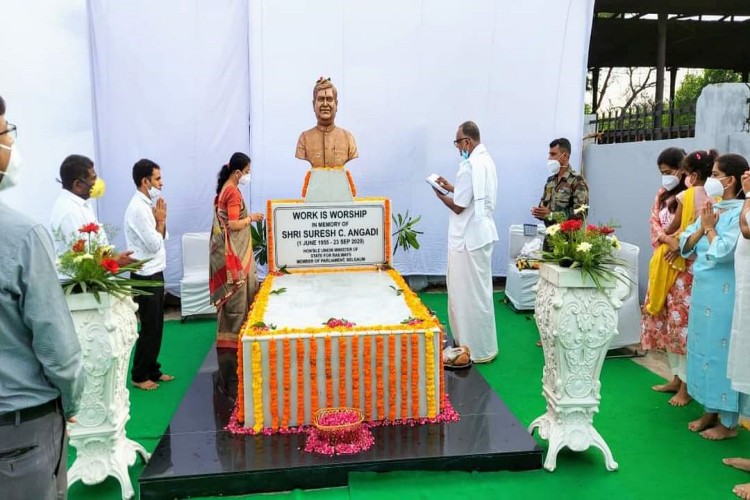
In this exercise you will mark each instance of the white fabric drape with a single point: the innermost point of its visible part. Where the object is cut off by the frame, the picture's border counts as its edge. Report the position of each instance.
(45, 81)
(408, 73)
(180, 82)
(171, 84)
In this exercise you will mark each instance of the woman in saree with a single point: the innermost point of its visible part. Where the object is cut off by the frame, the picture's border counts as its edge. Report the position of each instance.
(233, 278)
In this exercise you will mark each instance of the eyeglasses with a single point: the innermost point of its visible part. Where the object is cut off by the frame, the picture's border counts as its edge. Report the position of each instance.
(12, 130)
(455, 143)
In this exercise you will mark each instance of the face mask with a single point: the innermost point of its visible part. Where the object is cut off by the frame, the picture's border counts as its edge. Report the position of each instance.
(669, 182)
(714, 188)
(553, 166)
(244, 180)
(154, 193)
(464, 154)
(12, 171)
(97, 190)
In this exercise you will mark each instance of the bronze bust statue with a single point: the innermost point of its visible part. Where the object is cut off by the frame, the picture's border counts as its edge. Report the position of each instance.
(326, 145)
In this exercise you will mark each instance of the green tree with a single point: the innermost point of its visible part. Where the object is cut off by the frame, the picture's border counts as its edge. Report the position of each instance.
(692, 85)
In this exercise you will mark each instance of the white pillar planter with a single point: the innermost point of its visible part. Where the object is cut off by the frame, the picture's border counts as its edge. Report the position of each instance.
(107, 331)
(576, 322)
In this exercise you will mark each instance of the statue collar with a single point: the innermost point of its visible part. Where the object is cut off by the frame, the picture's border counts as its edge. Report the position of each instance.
(329, 128)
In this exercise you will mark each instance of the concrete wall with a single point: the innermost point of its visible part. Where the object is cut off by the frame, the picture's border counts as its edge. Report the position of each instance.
(623, 178)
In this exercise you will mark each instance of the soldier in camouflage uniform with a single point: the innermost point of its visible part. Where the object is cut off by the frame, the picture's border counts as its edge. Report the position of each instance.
(565, 189)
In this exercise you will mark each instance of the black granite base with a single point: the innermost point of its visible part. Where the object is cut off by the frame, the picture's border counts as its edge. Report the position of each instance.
(196, 457)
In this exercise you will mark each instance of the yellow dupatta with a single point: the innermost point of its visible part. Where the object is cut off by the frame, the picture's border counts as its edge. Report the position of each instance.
(662, 274)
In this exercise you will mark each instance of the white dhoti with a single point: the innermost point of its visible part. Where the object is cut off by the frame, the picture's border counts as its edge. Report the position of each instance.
(471, 311)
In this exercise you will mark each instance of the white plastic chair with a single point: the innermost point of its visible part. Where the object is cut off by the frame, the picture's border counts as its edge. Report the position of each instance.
(519, 285)
(194, 296)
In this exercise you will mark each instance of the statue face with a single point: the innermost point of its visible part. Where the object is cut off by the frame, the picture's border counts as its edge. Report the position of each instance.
(325, 106)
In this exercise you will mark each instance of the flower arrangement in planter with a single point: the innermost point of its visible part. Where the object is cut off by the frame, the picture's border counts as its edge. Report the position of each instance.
(90, 267)
(573, 243)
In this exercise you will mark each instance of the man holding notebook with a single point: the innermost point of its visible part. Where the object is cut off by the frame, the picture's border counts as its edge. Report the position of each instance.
(471, 237)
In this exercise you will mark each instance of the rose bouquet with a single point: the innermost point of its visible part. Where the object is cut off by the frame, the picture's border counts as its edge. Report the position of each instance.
(575, 244)
(90, 266)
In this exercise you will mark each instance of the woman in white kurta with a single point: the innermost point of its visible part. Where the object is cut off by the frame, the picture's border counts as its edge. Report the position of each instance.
(738, 369)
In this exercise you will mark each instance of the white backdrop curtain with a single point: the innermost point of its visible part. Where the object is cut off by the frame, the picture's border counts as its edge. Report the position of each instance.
(45, 79)
(171, 84)
(186, 83)
(408, 73)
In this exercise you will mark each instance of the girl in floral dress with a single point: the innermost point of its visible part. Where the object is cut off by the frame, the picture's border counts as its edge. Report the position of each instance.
(665, 319)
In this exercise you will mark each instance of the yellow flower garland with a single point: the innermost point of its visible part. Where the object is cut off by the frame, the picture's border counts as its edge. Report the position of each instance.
(257, 388)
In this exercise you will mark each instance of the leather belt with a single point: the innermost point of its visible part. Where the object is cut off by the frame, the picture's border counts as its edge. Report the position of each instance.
(27, 414)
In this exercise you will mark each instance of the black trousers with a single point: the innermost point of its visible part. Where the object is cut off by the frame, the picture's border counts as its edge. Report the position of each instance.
(148, 345)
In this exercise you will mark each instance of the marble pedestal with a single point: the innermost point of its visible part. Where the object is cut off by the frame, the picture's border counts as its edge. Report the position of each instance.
(107, 332)
(576, 321)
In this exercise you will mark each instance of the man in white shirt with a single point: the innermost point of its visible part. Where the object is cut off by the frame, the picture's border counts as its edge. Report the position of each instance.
(145, 233)
(72, 211)
(471, 236)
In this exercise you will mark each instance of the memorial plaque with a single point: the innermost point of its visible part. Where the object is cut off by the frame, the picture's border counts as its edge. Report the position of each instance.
(329, 234)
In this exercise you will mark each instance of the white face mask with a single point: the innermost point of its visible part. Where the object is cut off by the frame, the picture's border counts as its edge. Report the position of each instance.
(13, 171)
(244, 180)
(714, 188)
(669, 182)
(553, 166)
(154, 193)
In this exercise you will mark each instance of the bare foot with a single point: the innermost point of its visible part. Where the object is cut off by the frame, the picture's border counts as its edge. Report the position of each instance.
(166, 378)
(148, 385)
(682, 397)
(706, 421)
(738, 463)
(742, 491)
(719, 432)
(672, 386)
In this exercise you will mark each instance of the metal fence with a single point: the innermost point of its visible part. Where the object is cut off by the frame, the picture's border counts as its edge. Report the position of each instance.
(644, 123)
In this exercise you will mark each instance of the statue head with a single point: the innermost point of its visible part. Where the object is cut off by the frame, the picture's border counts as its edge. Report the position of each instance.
(325, 101)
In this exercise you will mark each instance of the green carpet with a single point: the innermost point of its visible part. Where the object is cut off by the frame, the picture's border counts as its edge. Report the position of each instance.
(184, 347)
(658, 456)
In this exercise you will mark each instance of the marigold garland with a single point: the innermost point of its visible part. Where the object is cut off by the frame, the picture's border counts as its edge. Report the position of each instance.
(257, 388)
(273, 390)
(313, 376)
(342, 372)
(404, 377)
(329, 375)
(380, 396)
(430, 372)
(368, 377)
(414, 362)
(306, 183)
(355, 373)
(240, 380)
(300, 381)
(286, 346)
(441, 367)
(392, 377)
(269, 237)
(351, 182)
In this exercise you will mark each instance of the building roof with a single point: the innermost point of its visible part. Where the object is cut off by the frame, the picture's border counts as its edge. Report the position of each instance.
(629, 37)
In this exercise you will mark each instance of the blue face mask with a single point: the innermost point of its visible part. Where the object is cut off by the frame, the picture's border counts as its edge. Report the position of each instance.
(464, 154)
